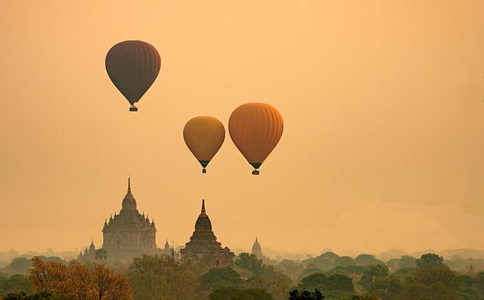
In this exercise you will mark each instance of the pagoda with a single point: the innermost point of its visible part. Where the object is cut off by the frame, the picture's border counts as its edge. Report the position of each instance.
(203, 246)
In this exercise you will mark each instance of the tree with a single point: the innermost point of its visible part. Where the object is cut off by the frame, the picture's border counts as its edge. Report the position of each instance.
(19, 265)
(432, 280)
(305, 295)
(371, 274)
(324, 262)
(291, 268)
(313, 281)
(407, 262)
(15, 283)
(344, 261)
(351, 271)
(248, 262)
(339, 283)
(78, 282)
(479, 282)
(310, 269)
(161, 277)
(37, 296)
(430, 260)
(271, 280)
(333, 285)
(233, 293)
(367, 260)
(218, 278)
(387, 288)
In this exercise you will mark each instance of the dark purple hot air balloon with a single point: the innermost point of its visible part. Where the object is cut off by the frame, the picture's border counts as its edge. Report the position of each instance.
(133, 67)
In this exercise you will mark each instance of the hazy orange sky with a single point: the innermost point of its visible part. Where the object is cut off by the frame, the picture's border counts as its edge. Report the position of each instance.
(382, 103)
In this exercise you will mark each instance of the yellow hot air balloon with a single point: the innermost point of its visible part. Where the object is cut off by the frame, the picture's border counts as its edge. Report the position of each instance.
(204, 135)
(255, 128)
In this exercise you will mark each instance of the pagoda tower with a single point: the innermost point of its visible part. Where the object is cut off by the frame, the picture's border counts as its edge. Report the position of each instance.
(257, 250)
(203, 246)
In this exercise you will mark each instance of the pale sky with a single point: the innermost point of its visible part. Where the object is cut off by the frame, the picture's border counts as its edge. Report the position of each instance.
(383, 116)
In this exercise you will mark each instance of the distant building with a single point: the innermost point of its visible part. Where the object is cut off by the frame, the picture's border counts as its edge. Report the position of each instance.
(89, 254)
(203, 246)
(129, 234)
(257, 250)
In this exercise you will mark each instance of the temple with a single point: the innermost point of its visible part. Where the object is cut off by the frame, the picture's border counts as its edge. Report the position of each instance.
(257, 250)
(129, 234)
(203, 246)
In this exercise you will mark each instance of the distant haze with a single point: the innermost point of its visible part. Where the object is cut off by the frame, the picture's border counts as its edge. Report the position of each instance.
(382, 101)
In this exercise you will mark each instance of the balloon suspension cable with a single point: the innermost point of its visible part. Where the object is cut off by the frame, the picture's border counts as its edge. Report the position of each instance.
(255, 172)
(204, 170)
(133, 108)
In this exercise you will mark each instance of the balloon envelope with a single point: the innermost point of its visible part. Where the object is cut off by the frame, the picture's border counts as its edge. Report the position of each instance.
(204, 135)
(133, 67)
(255, 128)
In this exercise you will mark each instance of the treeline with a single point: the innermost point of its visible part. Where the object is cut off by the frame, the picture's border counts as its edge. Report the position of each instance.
(328, 276)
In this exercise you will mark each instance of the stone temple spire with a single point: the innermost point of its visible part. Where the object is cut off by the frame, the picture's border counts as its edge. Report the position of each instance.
(129, 203)
(203, 207)
(257, 250)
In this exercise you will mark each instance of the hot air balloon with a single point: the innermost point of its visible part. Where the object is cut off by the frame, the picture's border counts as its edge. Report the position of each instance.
(255, 128)
(204, 135)
(133, 67)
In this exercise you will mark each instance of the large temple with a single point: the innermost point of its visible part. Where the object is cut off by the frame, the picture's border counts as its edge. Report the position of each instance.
(129, 234)
(203, 246)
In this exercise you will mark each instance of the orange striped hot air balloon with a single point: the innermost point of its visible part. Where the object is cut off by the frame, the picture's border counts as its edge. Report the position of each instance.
(255, 128)
(204, 135)
(133, 67)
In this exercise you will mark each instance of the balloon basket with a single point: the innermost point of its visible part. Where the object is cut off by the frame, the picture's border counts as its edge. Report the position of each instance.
(133, 108)
(255, 172)
(204, 171)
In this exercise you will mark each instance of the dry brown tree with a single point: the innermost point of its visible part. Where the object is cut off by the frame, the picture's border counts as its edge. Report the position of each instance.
(79, 282)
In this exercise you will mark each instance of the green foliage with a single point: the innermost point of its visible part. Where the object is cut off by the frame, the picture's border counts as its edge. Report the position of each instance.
(38, 296)
(333, 285)
(248, 262)
(347, 270)
(432, 280)
(310, 269)
(324, 262)
(19, 265)
(478, 283)
(161, 277)
(430, 260)
(345, 261)
(290, 268)
(313, 281)
(233, 293)
(407, 262)
(367, 260)
(15, 283)
(339, 283)
(271, 280)
(467, 291)
(386, 288)
(403, 273)
(218, 278)
(305, 295)
(371, 274)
